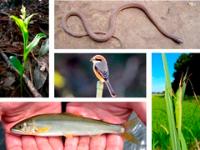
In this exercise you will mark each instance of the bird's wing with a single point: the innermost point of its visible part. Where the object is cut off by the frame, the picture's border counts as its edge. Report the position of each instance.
(102, 69)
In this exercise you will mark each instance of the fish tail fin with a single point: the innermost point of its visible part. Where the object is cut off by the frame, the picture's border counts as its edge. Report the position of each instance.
(127, 135)
(110, 89)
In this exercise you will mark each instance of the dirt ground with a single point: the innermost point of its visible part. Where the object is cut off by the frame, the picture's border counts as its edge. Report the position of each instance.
(132, 27)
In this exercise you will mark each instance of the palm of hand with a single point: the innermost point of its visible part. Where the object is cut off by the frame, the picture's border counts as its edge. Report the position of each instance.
(117, 113)
(14, 112)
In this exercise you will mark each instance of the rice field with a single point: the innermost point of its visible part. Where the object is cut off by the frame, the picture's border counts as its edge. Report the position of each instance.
(191, 123)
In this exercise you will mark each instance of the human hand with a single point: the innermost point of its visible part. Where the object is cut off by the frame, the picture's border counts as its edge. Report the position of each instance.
(116, 113)
(14, 112)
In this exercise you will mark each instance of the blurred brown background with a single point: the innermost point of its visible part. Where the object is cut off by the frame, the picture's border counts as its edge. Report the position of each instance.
(74, 75)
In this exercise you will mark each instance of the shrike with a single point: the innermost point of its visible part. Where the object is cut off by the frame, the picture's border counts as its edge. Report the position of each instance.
(100, 69)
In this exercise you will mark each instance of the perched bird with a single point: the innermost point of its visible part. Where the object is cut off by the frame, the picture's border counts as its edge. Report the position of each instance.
(100, 69)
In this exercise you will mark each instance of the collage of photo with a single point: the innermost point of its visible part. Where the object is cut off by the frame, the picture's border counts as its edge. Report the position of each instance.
(99, 75)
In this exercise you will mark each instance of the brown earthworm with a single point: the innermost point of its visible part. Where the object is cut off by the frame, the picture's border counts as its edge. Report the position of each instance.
(109, 34)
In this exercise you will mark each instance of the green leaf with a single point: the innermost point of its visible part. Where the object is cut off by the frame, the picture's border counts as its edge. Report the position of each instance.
(175, 143)
(33, 44)
(16, 64)
(23, 11)
(178, 110)
(23, 29)
(44, 48)
(27, 20)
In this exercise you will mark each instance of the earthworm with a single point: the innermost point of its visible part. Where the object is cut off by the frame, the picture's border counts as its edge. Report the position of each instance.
(112, 24)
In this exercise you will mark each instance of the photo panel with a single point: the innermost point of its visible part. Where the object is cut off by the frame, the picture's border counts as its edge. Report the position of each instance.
(100, 75)
(24, 48)
(127, 24)
(81, 124)
(175, 100)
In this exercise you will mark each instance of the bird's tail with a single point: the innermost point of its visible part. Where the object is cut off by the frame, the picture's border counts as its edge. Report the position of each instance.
(110, 89)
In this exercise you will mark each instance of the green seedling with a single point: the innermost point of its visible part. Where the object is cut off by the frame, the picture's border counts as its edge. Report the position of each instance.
(23, 23)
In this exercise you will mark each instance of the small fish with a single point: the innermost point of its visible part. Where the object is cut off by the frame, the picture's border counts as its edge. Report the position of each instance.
(70, 125)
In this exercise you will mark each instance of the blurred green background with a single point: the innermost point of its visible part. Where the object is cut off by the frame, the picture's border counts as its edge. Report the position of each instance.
(74, 76)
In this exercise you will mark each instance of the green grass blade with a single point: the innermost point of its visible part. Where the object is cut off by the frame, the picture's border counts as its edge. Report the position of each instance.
(16, 64)
(33, 44)
(195, 139)
(178, 110)
(170, 111)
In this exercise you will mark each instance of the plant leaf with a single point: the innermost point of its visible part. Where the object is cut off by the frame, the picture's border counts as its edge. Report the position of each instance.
(23, 29)
(33, 44)
(175, 143)
(27, 20)
(39, 77)
(16, 64)
(44, 48)
(23, 11)
(178, 110)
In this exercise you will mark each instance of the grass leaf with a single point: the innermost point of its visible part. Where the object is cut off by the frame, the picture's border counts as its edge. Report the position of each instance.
(178, 110)
(16, 64)
(169, 106)
(33, 44)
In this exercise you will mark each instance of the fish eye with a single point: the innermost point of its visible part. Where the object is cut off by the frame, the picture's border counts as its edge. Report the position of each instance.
(20, 126)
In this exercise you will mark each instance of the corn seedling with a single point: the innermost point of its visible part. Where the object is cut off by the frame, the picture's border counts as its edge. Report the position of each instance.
(23, 23)
(174, 114)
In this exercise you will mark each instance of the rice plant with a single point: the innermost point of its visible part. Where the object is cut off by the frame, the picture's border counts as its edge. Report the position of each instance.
(174, 109)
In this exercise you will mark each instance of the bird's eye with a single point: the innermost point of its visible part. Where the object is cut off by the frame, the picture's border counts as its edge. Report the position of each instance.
(97, 59)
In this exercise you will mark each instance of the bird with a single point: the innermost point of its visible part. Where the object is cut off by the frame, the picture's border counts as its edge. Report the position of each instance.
(101, 71)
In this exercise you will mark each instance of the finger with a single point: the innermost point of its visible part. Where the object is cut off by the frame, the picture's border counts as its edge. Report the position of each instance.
(43, 143)
(56, 143)
(83, 143)
(83, 109)
(71, 143)
(13, 142)
(87, 110)
(29, 143)
(98, 142)
(114, 142)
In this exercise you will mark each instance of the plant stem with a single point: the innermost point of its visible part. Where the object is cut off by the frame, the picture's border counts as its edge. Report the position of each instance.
(21, 85)
(169, 107)
(99, 89)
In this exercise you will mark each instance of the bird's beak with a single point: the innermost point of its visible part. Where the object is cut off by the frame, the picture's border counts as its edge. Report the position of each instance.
(91, 59)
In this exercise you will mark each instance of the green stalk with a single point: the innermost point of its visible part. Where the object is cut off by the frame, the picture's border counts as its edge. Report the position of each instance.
(178, 110)
(21, 85)
(99, 89)
(169, 105)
